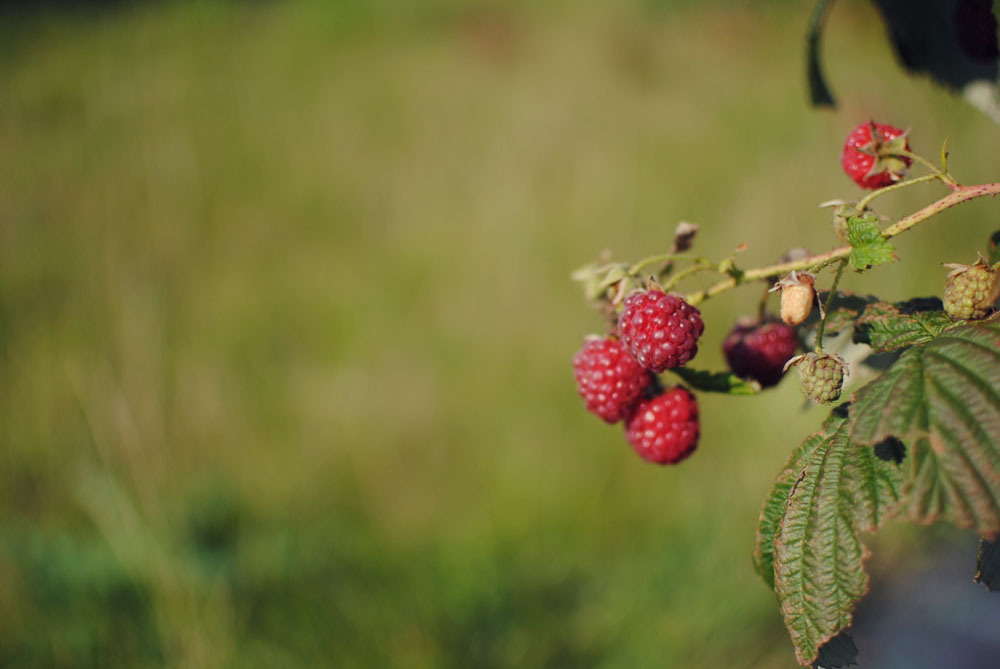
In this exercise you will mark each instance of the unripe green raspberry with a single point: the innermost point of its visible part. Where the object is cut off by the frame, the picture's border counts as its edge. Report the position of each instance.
(971, 290)
(822, 376)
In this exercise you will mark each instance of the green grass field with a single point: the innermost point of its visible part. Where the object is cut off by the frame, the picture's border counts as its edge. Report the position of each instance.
(286, 323)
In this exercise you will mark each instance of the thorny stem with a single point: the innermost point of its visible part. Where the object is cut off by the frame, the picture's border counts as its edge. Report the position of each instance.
(829, 303)
(958, 195)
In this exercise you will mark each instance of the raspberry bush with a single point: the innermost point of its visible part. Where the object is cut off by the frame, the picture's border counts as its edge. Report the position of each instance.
(917, 440)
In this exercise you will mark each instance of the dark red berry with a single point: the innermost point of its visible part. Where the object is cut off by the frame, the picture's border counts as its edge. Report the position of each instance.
(660, 331)
(608, 378)
(759, 352)
(664, 429)
(871, 155)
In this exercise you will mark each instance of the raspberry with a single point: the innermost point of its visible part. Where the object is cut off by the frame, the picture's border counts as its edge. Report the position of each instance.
(608, 378)
(664, 429)
(971, 290)
(822, 376)
(759, 352)
(660, 331)
(796, 296)
(871, 155)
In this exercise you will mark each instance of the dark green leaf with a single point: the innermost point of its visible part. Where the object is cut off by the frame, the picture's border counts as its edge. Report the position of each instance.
(886, 327)
(717, 382)
(954, 42)
(988, 564)
(819, 93)
(829, 492)
(868, 246)
(837, 653)
(942, 400)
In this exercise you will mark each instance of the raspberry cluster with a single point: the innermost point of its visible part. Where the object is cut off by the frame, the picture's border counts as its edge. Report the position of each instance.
(616, 375)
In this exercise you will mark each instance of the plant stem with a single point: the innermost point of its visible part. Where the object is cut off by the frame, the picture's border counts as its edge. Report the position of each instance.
(958, 195)
(863, 203)
(652, 260)
(762, 305)
(944, 176)
(829, 303)
(694, 269)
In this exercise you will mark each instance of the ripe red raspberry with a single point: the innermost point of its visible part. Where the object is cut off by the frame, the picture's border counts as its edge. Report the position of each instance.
(759, 352)
(971, 290)
(871, 155)
(664, 429)
(608, 378)
(660, 331)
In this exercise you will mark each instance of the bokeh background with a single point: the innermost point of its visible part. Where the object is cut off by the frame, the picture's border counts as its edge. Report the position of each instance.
(286, 327)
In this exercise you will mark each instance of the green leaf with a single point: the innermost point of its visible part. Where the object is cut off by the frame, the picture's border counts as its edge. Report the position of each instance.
(717, 382)
(868, 246)
(774, 510)
(887, 327)
(988, 564)
(942, 400)
(829, 492)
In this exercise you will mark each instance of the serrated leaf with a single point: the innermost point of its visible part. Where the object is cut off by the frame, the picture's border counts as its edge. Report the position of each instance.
(942, 399)
(773, 511)
(868, 246)
(829, 492)
(887, 327)
(988, 564)
(717, 382)
(774, 506)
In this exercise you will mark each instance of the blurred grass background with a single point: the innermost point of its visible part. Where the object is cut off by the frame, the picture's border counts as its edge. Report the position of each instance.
(285, 322)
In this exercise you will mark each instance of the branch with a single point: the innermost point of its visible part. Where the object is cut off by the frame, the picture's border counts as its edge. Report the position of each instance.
(958, 195)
